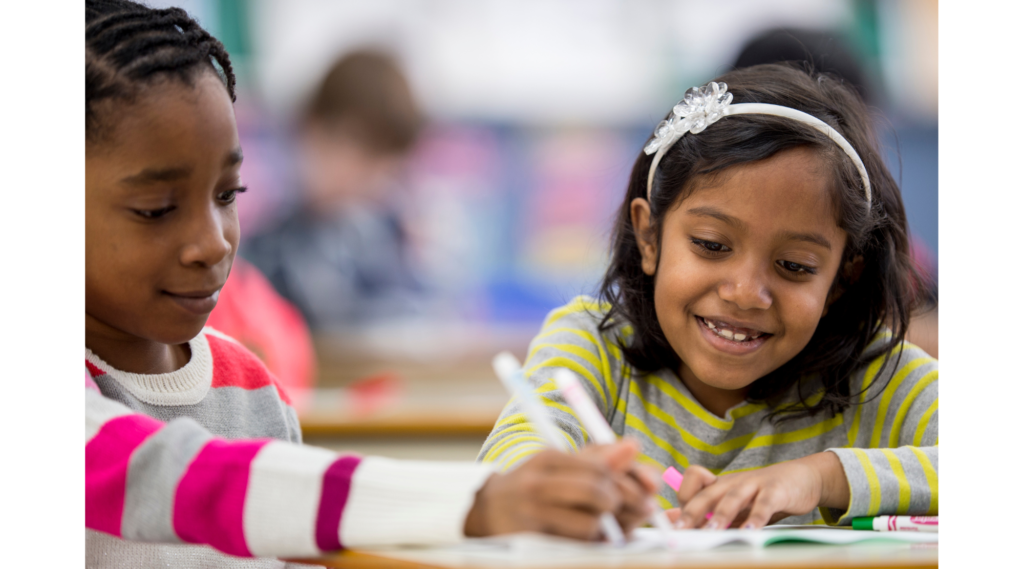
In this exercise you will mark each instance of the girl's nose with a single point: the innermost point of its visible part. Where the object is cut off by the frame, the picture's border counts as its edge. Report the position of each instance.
(747, 289)
(207, 242)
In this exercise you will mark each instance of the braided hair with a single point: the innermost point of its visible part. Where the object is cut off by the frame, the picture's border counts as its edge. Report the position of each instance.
(128, 44)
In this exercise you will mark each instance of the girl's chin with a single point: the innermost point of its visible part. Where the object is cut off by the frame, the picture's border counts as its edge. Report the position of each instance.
(177, 332)
(726, 384)
(723, 375)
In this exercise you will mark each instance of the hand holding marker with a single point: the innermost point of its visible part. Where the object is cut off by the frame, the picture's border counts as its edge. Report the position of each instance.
(511, 375)
(599, 430)
(674, 479)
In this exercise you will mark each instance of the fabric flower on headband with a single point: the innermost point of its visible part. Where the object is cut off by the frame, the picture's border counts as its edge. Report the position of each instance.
(700, 107)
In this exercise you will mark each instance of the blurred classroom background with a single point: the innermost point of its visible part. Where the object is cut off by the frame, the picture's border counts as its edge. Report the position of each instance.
(496, 206)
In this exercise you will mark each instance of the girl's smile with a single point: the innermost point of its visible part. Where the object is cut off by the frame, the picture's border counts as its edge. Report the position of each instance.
(731, 337)
(196, 302)
(743, 271)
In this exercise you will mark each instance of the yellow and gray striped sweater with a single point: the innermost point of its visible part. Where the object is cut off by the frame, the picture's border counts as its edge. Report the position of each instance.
(888, 444)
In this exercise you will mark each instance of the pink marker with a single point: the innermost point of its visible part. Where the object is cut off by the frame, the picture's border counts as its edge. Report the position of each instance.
(674, 479)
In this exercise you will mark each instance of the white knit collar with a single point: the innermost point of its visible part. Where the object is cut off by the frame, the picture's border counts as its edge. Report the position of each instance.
(185, 386)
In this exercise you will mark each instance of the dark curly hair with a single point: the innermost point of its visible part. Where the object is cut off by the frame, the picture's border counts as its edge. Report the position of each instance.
(128, 44)
(881, 296)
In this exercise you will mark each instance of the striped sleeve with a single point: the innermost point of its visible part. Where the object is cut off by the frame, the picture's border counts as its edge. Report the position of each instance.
(568, 339)
(892, 459)
(176, 483)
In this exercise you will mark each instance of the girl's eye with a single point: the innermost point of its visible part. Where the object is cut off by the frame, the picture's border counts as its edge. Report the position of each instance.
(228, 196)
(797, 268)
(153, 213)
(709, 246)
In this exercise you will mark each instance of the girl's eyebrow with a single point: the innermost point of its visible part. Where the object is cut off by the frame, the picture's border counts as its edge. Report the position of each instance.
(706, 211)
(234, 157)
(815, 238)
(150, 175)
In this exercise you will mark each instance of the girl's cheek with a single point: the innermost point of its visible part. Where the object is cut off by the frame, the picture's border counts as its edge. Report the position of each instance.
(809, 309)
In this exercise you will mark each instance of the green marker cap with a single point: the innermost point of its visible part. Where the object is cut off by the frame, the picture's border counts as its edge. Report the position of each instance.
(864, 523)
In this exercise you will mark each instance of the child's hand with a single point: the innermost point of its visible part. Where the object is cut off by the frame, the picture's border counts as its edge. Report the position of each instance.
(637, 483)
(562, 494)
(757, 498)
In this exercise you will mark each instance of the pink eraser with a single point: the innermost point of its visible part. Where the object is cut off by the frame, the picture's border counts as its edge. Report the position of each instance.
(672, 477)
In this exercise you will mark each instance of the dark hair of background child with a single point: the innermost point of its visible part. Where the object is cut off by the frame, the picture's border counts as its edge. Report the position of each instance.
(881, 296)
(128, 45)
(365, 94)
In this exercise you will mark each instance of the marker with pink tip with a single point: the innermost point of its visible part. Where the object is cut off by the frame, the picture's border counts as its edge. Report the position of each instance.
(674, 479)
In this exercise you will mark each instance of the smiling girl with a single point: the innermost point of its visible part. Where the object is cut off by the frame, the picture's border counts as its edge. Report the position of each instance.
(192, 454)
(751, 324)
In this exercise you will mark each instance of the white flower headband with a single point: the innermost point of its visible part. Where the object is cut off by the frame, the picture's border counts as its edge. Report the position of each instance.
(705, 105)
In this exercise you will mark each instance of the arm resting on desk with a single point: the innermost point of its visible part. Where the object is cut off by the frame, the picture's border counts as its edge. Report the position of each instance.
(892, 463)
(176, 483)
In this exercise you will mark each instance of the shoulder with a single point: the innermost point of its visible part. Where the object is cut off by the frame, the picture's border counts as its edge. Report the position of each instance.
(235, 366)
(580, 322)
(583, 312)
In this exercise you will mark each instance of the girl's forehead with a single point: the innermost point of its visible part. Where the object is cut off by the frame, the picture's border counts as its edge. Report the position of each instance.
(168, 108)
(177, 124)
(790, 191)
(175, 137)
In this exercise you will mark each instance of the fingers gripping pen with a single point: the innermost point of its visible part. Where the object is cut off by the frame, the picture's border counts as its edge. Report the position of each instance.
(599, 429)
(511, 375)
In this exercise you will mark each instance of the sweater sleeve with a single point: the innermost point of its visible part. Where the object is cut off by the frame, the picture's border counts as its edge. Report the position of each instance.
(569, 339)
(175, 482)
(892, 461)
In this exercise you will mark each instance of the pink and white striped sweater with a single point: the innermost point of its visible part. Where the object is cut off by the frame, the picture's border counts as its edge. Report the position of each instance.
(185, 467)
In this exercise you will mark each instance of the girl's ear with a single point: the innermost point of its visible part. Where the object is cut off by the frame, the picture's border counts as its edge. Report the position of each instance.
(849, 273)
(640, 215)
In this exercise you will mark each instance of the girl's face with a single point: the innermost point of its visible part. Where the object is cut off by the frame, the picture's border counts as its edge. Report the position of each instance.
(744, 272)
(161, 225)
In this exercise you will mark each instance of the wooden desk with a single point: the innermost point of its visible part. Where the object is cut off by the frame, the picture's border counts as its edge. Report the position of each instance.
(418, 423)
(410, 414)
(437, 391)
(798, 556)
(432, 353)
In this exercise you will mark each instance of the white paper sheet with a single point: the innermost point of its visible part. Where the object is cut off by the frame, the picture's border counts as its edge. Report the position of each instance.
(649, 539)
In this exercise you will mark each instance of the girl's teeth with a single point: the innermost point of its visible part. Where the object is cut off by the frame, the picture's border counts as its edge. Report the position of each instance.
(729, 334)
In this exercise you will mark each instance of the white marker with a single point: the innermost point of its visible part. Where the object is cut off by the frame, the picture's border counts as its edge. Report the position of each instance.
(601, 432)
(506, 366)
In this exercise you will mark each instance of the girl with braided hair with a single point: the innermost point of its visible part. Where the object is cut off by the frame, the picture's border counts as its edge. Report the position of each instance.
(193, 454)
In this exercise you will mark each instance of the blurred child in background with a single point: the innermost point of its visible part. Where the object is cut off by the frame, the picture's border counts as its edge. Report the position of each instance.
(340, 256)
